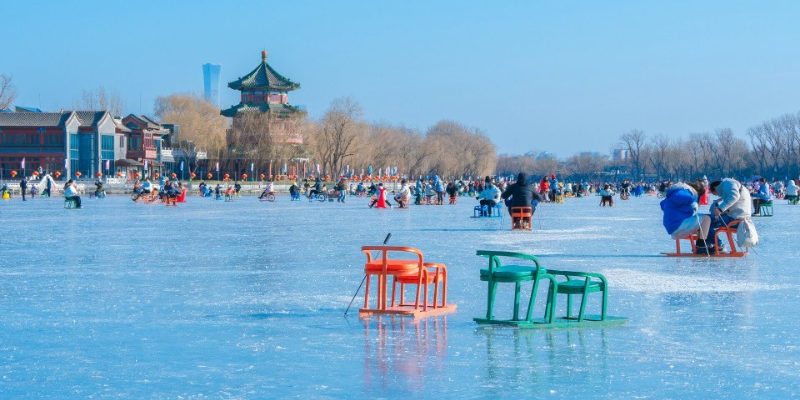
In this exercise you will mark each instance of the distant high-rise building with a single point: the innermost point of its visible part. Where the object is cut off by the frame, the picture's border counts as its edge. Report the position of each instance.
(211, 83)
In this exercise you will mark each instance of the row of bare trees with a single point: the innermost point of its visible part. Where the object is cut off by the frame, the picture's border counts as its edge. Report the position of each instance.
(342, 139)
(339, 141)
(773, 152)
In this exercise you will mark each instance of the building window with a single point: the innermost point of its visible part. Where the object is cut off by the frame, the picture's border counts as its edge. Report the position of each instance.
(74, 152)
(136, 143)
(107, 147)
(122, 142)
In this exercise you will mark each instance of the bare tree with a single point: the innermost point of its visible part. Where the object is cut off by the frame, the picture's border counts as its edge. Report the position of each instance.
(337, 135)
(202, 127)
(7, 92)
(100, 99)
(634, 142)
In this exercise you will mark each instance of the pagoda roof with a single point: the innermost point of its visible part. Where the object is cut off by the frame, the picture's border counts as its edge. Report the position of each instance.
(275, 108)
(264, 78)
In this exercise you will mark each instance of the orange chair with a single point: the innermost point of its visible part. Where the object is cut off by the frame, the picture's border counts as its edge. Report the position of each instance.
(431, 273)
(728, 230)
(409, 270)
(521, 218)
(382, 267)
(692, 238)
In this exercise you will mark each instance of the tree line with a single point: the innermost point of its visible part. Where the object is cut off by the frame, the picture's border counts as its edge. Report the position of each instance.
(341, 142)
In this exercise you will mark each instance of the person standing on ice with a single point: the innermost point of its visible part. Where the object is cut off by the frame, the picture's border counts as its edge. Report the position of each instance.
(438, 186)
(23, 187)
(680, 214)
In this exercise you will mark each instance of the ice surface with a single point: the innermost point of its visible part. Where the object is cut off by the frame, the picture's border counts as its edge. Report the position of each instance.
(244, 299)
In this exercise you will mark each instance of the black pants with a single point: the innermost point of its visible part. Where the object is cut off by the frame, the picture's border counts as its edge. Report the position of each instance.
(23, 190)
(489, 203)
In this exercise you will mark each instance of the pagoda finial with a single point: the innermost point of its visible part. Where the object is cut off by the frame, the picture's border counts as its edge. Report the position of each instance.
(263, 55)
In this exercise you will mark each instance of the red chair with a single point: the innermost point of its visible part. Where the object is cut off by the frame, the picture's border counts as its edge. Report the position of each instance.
(728, 230)
(521, 218)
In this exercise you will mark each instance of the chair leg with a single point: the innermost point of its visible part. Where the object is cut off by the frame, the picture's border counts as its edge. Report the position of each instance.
(366, 292)
(394, 285)
(425, 301)
(416, 299)
(550, 309)
(583, 307)
(444, 288)
(569, 305)
(532, 302)
(490, 300)
(517, 287)
(402, 294)
(604, 305)
(435, 290)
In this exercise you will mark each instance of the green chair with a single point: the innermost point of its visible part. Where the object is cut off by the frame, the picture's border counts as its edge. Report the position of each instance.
(766, 209)
(580, 283)
(529, 270)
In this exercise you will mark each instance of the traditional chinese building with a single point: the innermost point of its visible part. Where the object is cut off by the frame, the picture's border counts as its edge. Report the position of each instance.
(71, 141)
(266, 91)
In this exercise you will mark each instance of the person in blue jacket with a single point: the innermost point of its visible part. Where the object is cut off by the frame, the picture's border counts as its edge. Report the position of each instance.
(680, 214)
(763, 195)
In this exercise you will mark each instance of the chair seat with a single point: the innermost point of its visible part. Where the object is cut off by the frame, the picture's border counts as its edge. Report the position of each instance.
(392, 266)
(576, 286)
(510, 273)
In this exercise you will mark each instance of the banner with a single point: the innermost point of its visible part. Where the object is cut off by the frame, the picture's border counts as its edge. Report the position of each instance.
(181, 166)
(318, 170)
(108, 165)
(66, 162)
(217, 166)
(252, 167)
(145, 165)
(23, 163)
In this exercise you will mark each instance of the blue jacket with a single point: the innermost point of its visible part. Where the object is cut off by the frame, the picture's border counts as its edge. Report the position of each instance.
(679, 204)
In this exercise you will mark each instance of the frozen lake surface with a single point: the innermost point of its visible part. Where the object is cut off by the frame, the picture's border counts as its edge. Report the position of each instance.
(244, 299)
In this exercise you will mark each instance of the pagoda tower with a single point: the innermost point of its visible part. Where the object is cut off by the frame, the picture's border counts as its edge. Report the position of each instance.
(266, 91)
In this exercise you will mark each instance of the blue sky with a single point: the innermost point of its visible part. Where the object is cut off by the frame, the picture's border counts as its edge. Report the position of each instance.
(561, 76)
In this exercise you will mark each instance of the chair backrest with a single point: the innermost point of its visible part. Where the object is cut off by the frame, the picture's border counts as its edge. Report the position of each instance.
(494, 257)
(385, 250)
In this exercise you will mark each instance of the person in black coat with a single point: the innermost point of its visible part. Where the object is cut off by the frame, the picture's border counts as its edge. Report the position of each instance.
(521, 194)
(23, 186)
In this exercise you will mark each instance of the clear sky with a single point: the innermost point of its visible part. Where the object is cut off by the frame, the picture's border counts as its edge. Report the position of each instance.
(561, 76)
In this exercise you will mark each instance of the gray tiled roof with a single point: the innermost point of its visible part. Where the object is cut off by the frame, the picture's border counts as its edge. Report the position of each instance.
(33, 119)
(43, 119)
(282, 109)
(90, 118)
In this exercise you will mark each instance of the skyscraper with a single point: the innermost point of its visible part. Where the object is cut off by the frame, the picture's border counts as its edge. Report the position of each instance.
(211, 83)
